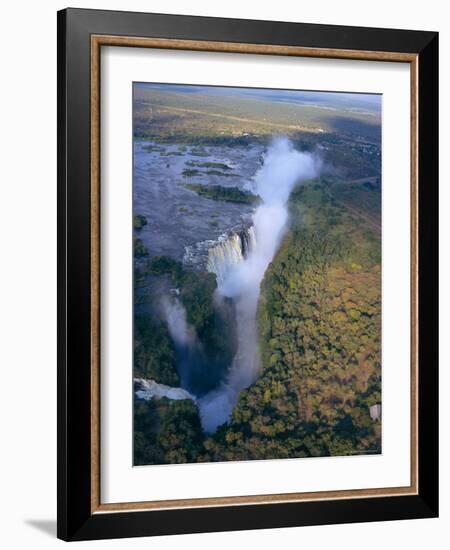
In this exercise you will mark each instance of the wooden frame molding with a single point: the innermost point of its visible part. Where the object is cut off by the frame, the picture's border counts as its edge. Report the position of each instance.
(235, 47)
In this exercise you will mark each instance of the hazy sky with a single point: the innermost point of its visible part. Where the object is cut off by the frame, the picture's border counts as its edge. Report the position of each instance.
(342, 100)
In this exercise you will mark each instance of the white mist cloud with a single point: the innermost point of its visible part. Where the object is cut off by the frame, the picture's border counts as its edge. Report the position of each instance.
(283, 169)
(187, 346)
(181, 332)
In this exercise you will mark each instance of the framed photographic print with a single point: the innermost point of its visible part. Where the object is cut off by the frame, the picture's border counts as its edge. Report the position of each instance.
(247, 274)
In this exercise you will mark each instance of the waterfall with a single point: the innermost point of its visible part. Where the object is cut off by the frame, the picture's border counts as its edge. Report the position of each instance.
(240, 263)
(230, 251)
(248, 241)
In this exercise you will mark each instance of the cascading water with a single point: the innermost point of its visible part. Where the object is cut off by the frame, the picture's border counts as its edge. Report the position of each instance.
(248, 241)
(239, 274)
(230, 251)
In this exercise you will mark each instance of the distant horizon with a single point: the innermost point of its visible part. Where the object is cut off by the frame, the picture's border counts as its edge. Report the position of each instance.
(343, 100)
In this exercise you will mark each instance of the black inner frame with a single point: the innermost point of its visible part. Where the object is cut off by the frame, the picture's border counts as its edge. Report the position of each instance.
(75, 521)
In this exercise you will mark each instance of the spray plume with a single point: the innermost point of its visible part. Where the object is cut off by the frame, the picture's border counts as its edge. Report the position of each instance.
(282, 170)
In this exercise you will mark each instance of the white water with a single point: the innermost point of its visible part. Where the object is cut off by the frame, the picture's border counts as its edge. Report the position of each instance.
(230, 251)
(149, 389)
(240, 278)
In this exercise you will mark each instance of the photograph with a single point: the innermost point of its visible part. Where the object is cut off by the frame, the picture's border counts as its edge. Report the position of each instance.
(256, 273)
